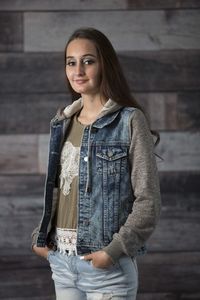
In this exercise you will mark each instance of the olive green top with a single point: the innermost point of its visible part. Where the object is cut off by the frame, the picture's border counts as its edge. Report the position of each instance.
(66, 215)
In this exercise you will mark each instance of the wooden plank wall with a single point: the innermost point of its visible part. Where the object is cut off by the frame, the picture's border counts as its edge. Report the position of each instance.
(158, 43)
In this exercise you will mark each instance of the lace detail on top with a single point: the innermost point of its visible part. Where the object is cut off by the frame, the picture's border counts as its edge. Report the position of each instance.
(66, 241)
(69, 166)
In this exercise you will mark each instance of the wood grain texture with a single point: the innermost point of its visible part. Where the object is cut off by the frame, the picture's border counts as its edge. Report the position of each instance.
(28, 153)
(171, 111)
(180, 151)
(168, 275)
(11, 32)
(22, 185)
(148, 71)
(18, 154)
(175, 185)
(166, 111)
(29, 113)
(149, 30)
(49, 5)
(188, 110)
(182, 273)
(168, 71)
(177, 230)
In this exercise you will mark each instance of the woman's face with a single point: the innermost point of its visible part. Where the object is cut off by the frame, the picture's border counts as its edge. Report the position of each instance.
(83, 67)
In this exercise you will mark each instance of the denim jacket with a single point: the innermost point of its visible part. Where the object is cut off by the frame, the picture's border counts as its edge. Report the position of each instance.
(113, 212)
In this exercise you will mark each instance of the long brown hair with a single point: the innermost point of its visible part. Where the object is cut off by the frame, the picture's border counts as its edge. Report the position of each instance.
(113, 82)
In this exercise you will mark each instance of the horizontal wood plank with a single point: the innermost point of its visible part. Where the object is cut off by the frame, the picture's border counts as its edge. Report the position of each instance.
(180, 151)
(33, 111)
(19, 154)
(46, 5)
(157, 296)
(29, 153)
(171, 272)
(149, 30)
(168, 71)
(148, 71)
(166, 111)
(175, 185)
(11, 32)
(168, 296)
(168, 275)
(26, 283)
(176, 231)
(22, 185)
(171, 111)
(39, 297)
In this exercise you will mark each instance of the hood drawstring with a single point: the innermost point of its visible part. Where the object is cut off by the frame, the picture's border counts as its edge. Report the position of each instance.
(88, 186)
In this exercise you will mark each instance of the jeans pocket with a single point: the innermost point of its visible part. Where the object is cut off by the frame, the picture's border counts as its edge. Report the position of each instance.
(111, 268)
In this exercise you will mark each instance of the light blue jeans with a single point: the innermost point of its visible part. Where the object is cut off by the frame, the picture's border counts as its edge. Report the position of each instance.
(77, 279)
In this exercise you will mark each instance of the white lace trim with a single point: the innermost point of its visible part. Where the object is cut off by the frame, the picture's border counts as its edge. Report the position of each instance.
(66, 241)
(69, 166)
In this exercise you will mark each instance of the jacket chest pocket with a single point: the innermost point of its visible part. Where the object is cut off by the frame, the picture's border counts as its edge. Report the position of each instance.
(111, 160)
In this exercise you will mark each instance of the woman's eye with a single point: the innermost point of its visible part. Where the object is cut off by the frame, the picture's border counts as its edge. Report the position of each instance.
(70, 63)
(88, 61)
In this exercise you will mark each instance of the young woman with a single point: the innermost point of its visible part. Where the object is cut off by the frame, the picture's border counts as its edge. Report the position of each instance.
(102, 173)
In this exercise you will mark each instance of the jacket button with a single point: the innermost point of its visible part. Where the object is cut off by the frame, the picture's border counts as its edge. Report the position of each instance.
(85, 158)
(110, 153)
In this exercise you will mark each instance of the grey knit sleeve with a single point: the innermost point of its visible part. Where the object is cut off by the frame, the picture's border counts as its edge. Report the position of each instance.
(145, 213)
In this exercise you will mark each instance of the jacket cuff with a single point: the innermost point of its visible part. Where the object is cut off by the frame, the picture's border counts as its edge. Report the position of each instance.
(114, 250)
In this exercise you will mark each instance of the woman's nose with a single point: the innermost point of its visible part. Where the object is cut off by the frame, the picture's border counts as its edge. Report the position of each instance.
(80, 69)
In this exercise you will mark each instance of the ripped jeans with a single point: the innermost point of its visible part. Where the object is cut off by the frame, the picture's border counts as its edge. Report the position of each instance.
(77, 279)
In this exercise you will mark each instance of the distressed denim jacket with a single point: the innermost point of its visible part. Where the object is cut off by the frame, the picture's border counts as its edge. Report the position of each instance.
(106, 196)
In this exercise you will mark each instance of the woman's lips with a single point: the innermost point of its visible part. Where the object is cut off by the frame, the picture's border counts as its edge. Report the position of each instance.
(80, 81)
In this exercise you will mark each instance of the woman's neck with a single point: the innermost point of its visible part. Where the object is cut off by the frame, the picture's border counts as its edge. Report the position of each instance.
(92, 107)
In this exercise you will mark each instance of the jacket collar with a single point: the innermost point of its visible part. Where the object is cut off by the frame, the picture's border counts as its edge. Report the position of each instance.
(109, 112)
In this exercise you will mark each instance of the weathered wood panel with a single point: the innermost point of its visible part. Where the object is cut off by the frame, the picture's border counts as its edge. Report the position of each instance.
(172, 111)
(31, 298)
(177, 186)
(33, 111)
(28, 153)
(21, 185)
(171, 272)
(149, 30)
(49, 5)
(21, 206)
(26, 283)
(176, 231)
(188, 106)
(166, 111)
(175, 274)
(96, 5)
(190, 296)
(148, 71)
(162, 71)
(180, 151)
(18, 154)
(168, 296)
(180, 182)
(157, 296)
(11, 32)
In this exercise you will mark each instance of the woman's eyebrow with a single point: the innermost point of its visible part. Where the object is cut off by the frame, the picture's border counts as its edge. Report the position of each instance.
(88, 54)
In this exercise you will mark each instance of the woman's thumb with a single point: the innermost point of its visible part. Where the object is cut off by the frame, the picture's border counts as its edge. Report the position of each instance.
(88, 257)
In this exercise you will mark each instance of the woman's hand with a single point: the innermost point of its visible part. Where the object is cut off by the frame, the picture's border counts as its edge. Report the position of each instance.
(41, 251)
(100, 259)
